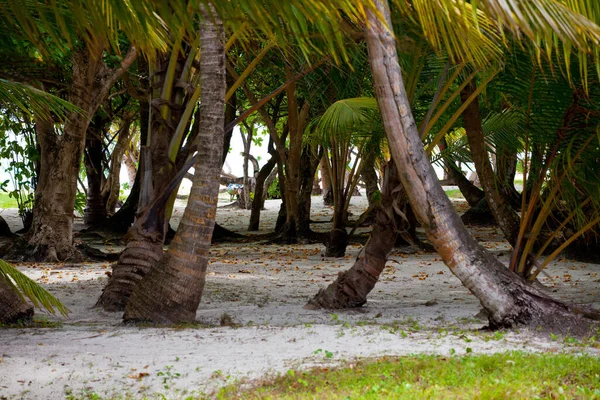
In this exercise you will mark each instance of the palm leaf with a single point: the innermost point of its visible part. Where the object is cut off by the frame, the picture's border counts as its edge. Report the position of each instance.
(33, 101)
(26, 287)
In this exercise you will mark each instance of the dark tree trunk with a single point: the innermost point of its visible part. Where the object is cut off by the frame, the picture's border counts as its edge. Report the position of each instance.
(259, 193)
(309, 163)
(351, 287)
(12, 306)
(326, 185)
(505, 216)
(95, 211)
(369, 177)
(506, 297)
(51, 236)
(506, 170)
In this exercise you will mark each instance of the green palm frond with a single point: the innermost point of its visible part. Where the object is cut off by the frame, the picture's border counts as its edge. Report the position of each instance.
(552, 26)
(31, 290)
(346, 116)
(33, 101)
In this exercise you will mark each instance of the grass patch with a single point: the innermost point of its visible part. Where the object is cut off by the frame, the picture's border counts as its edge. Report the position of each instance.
(454, 194)
(497, 376)
(7, 202)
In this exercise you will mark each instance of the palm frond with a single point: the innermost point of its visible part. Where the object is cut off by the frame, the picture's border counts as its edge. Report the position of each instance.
(33, 101)
(26, 287)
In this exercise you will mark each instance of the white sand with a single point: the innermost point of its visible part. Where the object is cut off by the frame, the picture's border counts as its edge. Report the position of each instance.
(418, 307)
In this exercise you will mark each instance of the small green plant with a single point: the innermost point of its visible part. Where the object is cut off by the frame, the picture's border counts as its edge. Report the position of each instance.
(273, 191)
(168, 375)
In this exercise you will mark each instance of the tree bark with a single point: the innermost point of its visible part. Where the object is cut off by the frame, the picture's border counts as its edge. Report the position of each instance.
(505, 296)
(172, 291)
(506, 218)
(326, 184)
(309, 163)
(94, 212)
(51, 236)
(12, 306)
(351, 287)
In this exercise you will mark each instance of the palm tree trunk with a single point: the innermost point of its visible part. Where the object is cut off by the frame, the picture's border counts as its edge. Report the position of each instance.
(12, 306)
(351, 287)
(505, 296)
(173, 289)
(506, 218)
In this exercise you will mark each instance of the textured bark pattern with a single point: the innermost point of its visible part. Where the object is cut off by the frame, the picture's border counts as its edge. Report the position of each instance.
(141, 253)
(12, 307)
(505, 296)
(50, 235)
(351, 287)
(172, 291)
(505, 216)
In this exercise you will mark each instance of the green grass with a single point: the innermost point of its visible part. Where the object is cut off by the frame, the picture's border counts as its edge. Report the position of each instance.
(7, 202)
(454, 194)
(498, 376)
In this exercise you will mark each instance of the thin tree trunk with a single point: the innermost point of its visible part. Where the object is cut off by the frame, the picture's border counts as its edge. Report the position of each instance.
(172, 291)
(351, 287)
(12, 306)
(113, 183)
(505, 296)
(326, 184)
(95, 212)
(259, 198)
(506, 218)
(308, 168)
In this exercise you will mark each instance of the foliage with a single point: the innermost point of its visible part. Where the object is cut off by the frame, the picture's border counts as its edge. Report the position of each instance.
(274, 192)
(26, 287)
(17, 147)
(501, 375)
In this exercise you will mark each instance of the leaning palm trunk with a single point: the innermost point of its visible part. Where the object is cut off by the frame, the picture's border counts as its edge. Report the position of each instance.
(505, 296)
(13, 307)
(173, 289)
(351, 287)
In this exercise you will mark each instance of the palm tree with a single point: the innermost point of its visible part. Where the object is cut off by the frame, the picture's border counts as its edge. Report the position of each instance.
(505, 296)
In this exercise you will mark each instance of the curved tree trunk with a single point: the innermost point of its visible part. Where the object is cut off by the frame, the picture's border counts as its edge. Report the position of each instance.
(505, 216)
(505, 296)
(351, 287)
(172, 291)
(12, 306)
(259, 193)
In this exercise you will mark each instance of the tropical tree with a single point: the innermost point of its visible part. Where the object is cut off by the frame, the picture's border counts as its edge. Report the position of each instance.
(506, 297)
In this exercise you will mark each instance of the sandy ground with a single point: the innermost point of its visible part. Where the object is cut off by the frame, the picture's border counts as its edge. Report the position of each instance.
(418, 307)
